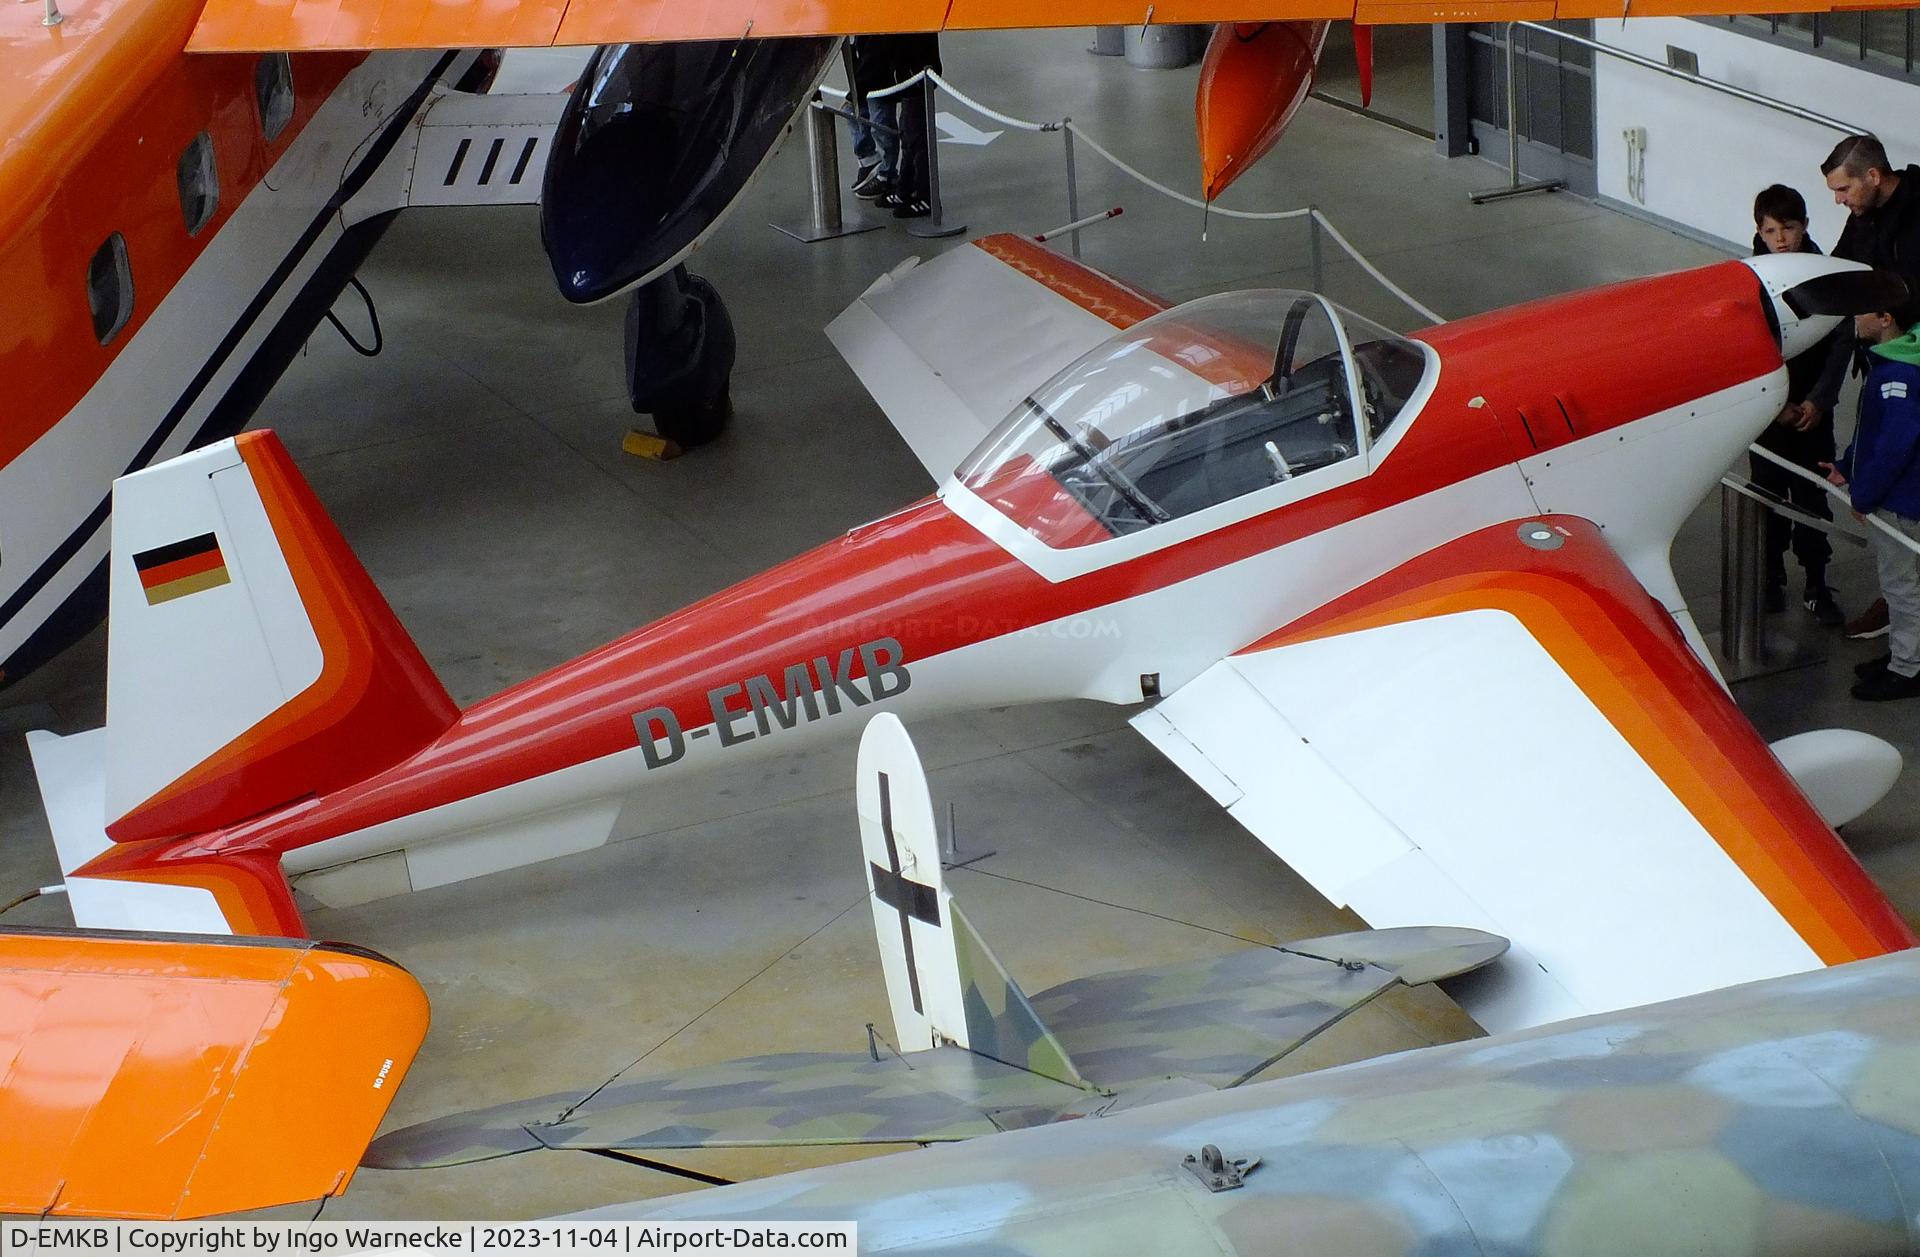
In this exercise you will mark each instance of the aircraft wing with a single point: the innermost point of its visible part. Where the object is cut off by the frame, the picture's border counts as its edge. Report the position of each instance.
(263, 25)
(919, 336)
(170, 1076)
(763, 1101)
(1223, 1019)
(1509, 733)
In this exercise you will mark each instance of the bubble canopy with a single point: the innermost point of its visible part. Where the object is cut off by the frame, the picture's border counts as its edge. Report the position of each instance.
(1198, 405)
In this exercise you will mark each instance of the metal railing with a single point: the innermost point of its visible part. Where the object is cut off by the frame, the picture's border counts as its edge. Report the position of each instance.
(1515, 187)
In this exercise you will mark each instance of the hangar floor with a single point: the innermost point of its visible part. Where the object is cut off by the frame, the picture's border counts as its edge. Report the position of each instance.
(476, 466)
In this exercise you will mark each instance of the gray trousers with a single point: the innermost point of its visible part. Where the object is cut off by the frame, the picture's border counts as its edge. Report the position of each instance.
(1900, 586)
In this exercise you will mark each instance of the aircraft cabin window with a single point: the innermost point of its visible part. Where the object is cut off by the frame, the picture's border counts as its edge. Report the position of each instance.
(273, 92)
(110, 288)
(1198, 405)
(199, 183)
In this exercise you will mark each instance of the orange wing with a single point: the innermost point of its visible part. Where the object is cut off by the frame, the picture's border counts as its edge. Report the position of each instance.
(257, 25)
(172, 1076)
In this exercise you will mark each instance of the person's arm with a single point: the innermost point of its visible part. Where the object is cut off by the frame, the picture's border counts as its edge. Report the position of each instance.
(1837, 350)
(1897, 442)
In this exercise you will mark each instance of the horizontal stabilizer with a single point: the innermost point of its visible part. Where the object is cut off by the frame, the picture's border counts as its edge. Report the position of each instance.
(1224, 1019)
(786, 1100)
(243, 893)
(164, 1076)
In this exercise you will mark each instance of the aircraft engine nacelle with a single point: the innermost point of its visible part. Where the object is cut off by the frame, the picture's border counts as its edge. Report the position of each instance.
(656, 143)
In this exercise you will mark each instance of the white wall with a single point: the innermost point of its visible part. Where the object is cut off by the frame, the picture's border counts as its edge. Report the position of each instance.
(1708, 153)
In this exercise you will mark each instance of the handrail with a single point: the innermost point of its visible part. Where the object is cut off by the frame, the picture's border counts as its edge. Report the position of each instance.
(1661, 67)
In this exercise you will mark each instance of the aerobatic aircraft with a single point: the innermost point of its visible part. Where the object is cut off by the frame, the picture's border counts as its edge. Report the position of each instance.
(186, 187)
(1401, 604)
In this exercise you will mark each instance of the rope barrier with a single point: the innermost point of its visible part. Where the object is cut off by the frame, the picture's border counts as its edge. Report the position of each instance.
(1835, 491)
(1080, 133)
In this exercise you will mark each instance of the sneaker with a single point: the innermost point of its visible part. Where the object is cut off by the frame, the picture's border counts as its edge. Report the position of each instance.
(1820, 601)
(1886, 686)
(890, 199)
(1869, 623)
(878, 188)
(912, 209)
(1774, 601)
(865, 176)
(1871, 666)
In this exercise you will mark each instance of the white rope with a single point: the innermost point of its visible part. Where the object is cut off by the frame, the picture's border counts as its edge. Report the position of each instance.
(1834, 490)
(1747, 489)
(1005, 120)
(1373, 270)
(1080, 133)
(1251, 215)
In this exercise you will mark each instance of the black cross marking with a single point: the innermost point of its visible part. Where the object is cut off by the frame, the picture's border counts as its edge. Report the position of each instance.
(909, 898)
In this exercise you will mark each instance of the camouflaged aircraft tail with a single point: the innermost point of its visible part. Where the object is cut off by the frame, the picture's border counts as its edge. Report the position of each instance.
(944, 984)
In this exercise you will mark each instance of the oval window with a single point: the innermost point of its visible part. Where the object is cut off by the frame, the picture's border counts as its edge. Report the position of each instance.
(273, 92)
(110, 288)
(199, 183)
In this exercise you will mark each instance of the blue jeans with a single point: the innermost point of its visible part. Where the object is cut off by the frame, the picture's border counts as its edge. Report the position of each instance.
(872, 144)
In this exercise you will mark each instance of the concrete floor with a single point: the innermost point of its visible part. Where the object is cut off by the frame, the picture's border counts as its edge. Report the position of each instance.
(476, 467)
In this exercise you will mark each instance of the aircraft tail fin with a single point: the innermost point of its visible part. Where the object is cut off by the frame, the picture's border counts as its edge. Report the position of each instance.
(251, 660)
(944, 984)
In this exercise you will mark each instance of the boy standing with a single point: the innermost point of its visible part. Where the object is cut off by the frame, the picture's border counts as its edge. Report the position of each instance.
(1881, 469)
(1802, 433)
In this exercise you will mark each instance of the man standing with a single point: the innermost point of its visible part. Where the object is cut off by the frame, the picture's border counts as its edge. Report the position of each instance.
(1883, 231)
(1881, 471)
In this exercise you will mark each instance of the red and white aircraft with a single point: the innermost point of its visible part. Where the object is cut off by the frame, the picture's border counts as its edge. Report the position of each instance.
(1401, 604)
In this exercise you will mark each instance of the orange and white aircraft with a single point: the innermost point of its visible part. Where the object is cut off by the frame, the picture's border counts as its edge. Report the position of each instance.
(186, 186)
(1402, 605)
(174, 225)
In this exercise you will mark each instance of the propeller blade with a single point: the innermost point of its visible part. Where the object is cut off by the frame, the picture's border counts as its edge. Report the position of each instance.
(1363, 61)
(1847, 293)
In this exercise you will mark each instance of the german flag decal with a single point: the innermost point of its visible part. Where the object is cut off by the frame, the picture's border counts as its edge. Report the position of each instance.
(185, 567)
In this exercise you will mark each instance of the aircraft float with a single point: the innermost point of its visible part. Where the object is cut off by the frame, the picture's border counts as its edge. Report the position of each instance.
(1402, 605)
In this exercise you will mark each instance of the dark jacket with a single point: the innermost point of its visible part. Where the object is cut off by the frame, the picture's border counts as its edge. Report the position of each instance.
(1882, 466)
(1888, 238)
(1816, 374)
(880, 61)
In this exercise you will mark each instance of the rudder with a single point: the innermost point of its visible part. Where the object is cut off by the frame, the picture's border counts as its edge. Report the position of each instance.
(943, 982)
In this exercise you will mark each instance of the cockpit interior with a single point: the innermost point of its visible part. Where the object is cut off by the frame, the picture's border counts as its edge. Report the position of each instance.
(1198, 405)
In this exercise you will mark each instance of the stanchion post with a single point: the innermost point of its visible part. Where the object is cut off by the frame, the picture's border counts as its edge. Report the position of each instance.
(1316, 267)
(824, 221)
(1742, 637)
(1514, 186)
(934, 225)
(1073, 183)
(823, 160)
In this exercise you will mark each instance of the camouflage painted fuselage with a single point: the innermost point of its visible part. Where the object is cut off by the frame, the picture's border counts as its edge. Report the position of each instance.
(1781, 1117)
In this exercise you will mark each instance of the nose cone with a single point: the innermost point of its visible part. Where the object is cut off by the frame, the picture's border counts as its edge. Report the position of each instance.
(1781, 274)
(655, 145)
(1253, 78)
